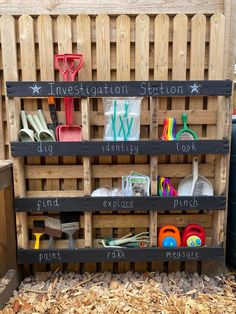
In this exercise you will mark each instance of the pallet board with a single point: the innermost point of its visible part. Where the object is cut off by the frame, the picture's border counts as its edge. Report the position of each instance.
(134, 148)
(120, 254)
(173, 46)
(119, 89)
(149, 203)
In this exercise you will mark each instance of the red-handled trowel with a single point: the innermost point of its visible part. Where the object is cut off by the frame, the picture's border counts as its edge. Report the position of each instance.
(69, 65)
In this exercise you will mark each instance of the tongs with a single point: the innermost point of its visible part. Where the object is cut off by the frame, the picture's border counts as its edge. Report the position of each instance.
(169, 129)
(138, 240)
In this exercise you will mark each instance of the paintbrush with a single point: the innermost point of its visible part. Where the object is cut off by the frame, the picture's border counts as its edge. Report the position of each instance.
(53, 229)
(70, 228)
(38, 230)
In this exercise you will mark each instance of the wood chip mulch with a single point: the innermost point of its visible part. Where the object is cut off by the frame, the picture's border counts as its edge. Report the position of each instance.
(108, 293)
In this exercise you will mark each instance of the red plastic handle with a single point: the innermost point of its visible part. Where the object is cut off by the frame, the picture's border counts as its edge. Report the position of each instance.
(169, 228)
(62, 66)
(65, 63)
(193, 230)
(69, 104)
(73, 68)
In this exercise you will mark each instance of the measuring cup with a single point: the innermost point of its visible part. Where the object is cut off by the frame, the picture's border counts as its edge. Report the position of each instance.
(26, 134)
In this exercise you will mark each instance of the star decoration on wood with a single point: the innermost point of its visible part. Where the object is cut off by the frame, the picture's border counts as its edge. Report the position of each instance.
(195, 88)
(35, 89)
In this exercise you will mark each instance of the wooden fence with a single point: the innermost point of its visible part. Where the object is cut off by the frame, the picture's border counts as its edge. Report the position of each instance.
(9, 273)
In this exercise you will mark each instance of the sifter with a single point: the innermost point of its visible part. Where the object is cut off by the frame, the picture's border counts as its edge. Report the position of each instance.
(186, 133)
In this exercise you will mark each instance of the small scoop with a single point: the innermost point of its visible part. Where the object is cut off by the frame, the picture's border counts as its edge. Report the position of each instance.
(42, 133)
(69, 132)
(195, 184)
(26, 134)
(45, 134)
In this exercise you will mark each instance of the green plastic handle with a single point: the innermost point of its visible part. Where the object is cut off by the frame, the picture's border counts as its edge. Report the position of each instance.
(184, 119)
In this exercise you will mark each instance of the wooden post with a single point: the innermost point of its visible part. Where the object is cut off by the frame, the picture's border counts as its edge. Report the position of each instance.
(7, 221)
(9, 56)
(103, 59)
(87, 171)
(84, 46)
(46, 61)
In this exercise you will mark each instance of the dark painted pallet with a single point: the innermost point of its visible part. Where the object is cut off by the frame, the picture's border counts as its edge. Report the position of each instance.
(119, 148)
(119, 89)
(119, 255)
(150, 203)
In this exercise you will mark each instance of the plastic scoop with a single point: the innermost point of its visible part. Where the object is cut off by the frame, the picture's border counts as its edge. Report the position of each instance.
(42, 134)
(195, 184)
(69, 132)
(45, 135)
(26, 134)
(34, 126)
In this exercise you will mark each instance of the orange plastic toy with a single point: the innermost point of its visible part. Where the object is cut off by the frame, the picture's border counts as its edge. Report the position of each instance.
(169, 236)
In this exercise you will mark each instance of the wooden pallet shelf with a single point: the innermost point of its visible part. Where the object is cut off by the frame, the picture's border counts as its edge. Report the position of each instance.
(150, 203)
(135, 148)
(119, 255)
(177, 62)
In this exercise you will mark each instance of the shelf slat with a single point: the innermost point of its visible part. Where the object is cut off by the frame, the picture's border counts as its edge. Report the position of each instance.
(119, 89)
(119, 148)
(150, 203)
(119, 254)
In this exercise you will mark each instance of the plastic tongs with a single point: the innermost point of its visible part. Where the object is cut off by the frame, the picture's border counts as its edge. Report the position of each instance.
(129, 240)
(169, 129)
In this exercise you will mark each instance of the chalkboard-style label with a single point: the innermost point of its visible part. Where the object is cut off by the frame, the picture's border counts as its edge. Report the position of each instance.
(116, 255)
(50, 257)
(121, 148)
(119, 89)
(117, 203)
(83, 204)
(183, 255)
(45, 148)
(47, 204)
(187, 148)
(185, 203)
(133, 148)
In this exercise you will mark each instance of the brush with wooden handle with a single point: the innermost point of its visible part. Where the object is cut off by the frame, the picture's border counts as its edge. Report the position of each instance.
(70, 228)
(38, 230)
(53, 229)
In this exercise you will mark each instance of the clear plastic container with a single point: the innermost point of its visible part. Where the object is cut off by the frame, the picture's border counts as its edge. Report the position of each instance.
(122, 119)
